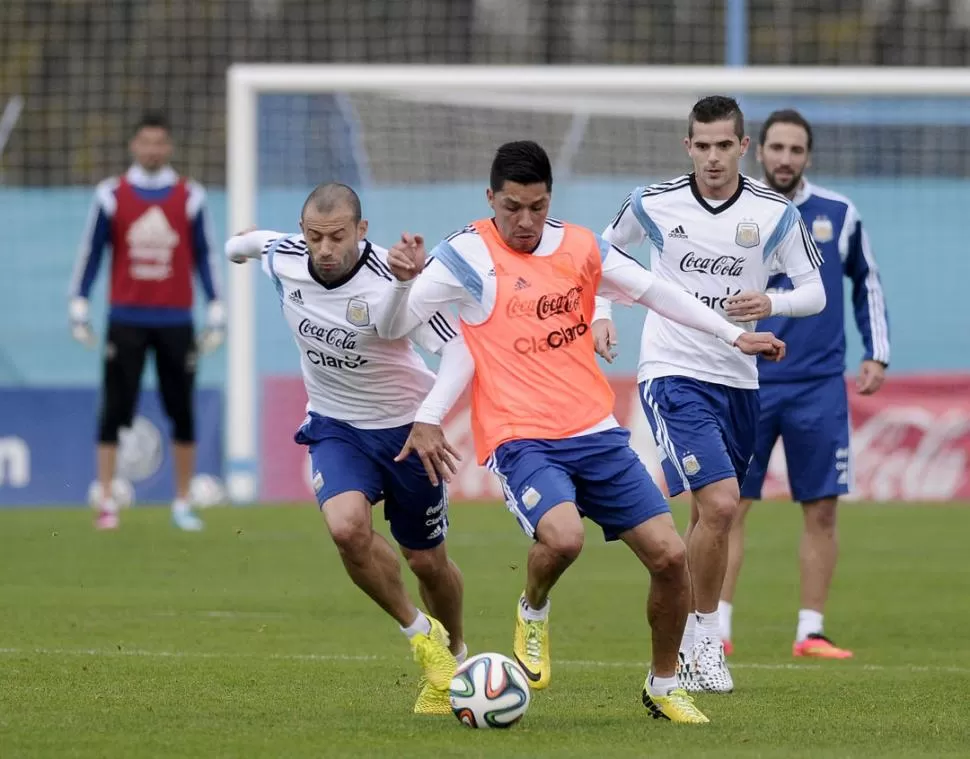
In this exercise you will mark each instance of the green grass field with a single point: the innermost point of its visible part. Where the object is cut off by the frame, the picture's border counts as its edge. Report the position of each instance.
(248, 641)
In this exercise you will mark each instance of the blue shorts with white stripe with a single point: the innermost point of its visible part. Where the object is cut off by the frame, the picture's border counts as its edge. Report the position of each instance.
(598, 472)
(705, 432)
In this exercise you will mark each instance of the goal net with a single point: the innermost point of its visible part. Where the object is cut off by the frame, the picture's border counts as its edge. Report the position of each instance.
(418, 142)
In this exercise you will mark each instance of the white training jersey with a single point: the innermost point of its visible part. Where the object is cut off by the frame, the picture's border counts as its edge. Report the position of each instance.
(712, 250)
(350, 373)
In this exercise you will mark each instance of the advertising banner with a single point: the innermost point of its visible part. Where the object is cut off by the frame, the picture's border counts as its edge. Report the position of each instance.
(48, 438)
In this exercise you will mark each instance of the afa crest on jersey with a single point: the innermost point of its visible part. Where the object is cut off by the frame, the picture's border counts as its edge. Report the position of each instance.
(822, 229)
(358, 312)
(747, 235)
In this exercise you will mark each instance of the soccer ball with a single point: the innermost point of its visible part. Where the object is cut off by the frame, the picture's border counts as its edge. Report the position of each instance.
(206, 491)
(489, 690)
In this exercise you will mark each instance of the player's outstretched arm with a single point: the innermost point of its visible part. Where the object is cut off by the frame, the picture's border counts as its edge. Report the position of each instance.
(248, 244)
(626, 281)
(427, 438)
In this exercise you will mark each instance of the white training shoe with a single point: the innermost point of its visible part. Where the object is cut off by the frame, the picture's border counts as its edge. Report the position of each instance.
(709, 667)
(685, 674)
(186, 520)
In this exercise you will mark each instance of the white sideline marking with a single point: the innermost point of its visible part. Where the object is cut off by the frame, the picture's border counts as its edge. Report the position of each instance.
(577, 663)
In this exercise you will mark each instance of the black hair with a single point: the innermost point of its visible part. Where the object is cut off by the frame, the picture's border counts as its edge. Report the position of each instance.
(330, 195)
(523, 162)
(716, 108)
(153, 120)
(785, 116)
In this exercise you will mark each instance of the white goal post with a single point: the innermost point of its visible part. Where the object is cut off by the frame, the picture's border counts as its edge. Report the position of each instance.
(579, 90)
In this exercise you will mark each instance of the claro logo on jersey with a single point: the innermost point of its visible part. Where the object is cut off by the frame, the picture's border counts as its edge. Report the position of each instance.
(558, 338)
(717, 301)
(718, 266)
(338, 337)
(546, 305)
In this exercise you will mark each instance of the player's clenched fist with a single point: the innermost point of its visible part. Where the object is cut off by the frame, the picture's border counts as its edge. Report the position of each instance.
(406, 258)
(764, 343)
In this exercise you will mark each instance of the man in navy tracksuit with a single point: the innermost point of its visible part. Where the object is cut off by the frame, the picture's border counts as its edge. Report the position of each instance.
(156, 225)
(804, 398)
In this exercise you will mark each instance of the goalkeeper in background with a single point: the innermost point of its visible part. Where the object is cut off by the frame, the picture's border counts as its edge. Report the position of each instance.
(804, 400)
(156, 225)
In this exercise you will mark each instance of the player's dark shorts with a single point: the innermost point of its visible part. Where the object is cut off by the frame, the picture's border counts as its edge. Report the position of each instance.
(345, 458)
(598, 472)
(124, 360)
(812, 419)
(704, 431)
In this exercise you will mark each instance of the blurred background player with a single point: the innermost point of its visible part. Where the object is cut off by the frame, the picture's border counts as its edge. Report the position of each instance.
(542, 410)
(716, 234)
(363, 394)
(155, 223)
(804, 399)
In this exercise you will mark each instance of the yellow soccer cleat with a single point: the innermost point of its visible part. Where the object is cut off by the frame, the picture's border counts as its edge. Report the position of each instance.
(676, 706)
(431, 652)
(531, 649)
(431, 700)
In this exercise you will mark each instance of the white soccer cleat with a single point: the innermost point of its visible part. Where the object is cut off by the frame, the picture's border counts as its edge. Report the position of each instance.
(685, 674)
(186, 521)
(709, 667)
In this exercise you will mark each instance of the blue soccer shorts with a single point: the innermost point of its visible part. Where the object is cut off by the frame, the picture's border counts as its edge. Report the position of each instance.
(345, 458)
(599, 472)
(812, 419)
(704, 431)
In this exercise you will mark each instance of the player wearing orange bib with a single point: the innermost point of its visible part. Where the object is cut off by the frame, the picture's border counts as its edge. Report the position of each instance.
(542, 410)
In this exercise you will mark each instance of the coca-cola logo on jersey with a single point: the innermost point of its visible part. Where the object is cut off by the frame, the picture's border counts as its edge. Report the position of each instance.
(718, 266)
(546, 305)
(337, 337)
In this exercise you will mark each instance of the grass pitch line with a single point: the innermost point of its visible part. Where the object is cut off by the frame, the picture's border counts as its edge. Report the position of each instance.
(577, 663)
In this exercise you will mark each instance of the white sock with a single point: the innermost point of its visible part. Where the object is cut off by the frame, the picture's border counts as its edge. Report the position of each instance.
(463, 654)
(534, 615)
(687, 642)
(181, 506)
(109, 505)
(809, 621)
(708, 626)
(661, 686)
(724, 610)
(421, 625)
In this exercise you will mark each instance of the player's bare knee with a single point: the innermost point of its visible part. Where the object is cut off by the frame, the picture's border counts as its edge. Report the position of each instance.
(668, 560)
(351, 533)
(428, 564)
(820, 516)
(561, 531)
(564, 539)
(718, 509)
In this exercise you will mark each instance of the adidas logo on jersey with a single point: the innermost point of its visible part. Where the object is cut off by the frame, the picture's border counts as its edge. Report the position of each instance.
(297, 297)
(678, 232)
(521, 284)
